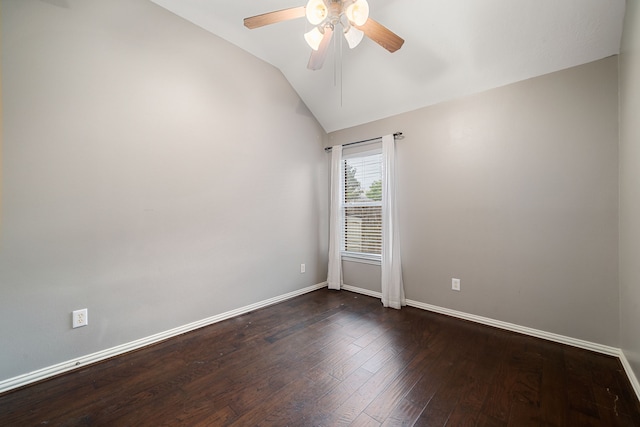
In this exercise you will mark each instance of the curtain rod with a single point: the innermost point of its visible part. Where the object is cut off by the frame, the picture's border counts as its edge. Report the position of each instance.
(397, 135)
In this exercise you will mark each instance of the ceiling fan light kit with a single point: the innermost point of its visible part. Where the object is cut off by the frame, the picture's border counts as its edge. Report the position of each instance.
(326, 16)
(348, 13)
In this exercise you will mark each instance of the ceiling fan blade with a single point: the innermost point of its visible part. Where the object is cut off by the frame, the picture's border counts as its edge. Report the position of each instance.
(318, 56)
(274, 17)
(381, 35)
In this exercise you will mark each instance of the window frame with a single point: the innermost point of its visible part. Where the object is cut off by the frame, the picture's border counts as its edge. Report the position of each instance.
(351, 256)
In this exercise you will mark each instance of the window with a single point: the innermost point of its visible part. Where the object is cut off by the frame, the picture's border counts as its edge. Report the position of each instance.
(362, 207)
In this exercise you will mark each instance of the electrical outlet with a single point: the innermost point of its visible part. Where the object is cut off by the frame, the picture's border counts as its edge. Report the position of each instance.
(80, 318)
(455, 284)
(302, 268)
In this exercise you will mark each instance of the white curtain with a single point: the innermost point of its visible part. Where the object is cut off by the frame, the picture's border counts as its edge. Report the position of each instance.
(392, 287)
(334, 276)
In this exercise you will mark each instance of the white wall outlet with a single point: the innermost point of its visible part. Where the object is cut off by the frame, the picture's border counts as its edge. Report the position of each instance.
(455, 284)
(303, 268)
(80, 318)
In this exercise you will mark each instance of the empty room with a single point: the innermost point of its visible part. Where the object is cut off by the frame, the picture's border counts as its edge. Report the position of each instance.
(320, 212)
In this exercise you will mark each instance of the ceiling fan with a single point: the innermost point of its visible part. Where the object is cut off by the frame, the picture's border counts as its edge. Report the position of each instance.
(349, 16)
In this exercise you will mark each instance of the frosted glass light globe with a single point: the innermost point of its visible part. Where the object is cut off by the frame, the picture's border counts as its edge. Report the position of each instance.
(316, 11)
(358, 12)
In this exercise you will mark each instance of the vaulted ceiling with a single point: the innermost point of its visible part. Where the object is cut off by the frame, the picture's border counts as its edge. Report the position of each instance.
(452, 48)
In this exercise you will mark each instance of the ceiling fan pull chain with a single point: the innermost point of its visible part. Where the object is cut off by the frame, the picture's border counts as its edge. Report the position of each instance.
(335, 65)
(341, 70)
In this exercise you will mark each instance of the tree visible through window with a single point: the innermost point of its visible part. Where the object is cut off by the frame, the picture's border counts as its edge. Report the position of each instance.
(363, 203)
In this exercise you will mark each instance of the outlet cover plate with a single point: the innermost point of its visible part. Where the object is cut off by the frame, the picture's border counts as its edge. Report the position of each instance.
(455, 284)
(80, 318)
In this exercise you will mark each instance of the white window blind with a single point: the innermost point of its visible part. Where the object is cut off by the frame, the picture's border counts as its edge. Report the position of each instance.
(363, 203)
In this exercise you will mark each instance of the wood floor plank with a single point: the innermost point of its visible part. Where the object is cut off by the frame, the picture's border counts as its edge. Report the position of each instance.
(553, 382)
(331, 358)
(404, 413)
(525, 414)
(344, 368)
(497, 404)
(372, 334)
(364, 420)
(284, 406)
(324, 406)
(440, 407)
(484, 365)
(357, 402)
(463, 416)
(385, 402)
(435, 372)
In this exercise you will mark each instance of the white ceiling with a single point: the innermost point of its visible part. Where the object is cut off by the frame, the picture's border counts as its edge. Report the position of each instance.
(452, 48)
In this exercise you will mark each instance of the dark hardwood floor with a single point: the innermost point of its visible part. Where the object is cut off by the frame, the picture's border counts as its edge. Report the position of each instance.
(337, 358)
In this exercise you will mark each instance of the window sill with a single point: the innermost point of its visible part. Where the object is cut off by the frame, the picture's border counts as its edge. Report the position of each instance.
(361, 258)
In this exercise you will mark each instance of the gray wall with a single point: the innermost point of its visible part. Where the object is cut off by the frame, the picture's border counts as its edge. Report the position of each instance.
(515, 192)
(152, 173)
(629, 187)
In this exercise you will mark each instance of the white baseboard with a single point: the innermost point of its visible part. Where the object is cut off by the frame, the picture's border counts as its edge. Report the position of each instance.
(362, 291)
(60, 368)
(587, 345)
(633, 379)
(550, 336)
